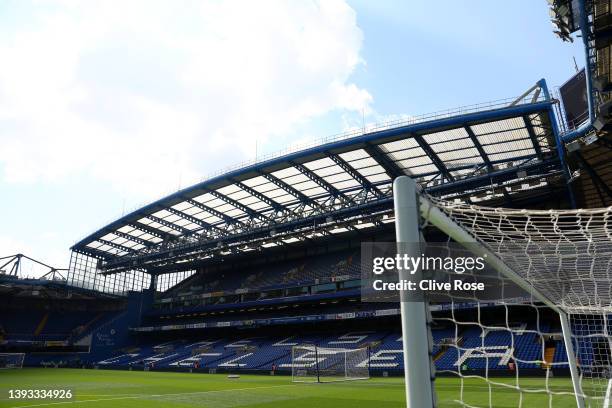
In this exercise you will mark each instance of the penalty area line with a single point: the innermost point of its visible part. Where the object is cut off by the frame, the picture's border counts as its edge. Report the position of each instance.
(136, 396)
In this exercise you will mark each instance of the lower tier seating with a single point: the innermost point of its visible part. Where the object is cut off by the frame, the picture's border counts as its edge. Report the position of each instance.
(472, 348)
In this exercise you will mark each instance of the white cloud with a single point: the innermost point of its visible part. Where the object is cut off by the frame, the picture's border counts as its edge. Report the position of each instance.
(137, 94)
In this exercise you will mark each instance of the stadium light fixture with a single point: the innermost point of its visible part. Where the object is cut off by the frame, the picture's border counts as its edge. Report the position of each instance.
(563, 19)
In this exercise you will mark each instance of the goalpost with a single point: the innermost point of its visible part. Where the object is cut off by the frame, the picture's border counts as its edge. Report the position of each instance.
(561, 258)
(11, 360)
(310, 363)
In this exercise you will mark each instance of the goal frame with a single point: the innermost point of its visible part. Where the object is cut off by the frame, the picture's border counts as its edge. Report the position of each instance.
(318, 376)
(410, 206)
(22, 355)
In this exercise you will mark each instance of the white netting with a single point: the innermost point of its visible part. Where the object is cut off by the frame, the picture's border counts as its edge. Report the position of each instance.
(11, 360)
(506, 355)
(311, 363)
(564, 254)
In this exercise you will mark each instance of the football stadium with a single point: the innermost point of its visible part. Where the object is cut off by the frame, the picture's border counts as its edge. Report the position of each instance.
(252, 288)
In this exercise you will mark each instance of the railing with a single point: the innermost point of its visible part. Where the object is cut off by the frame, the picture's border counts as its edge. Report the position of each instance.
(376, 127)
(355, 132)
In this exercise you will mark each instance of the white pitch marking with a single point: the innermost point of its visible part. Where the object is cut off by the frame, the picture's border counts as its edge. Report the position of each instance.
(606, 403)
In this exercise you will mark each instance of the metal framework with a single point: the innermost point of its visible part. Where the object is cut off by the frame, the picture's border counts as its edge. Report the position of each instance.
(410, 206)
(12, 265)
(492, 151)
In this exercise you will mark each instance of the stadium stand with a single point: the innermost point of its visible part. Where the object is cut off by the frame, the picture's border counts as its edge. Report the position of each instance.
(231, 273)
(328, 268)
(39, 325)
(247, 316)
(267, 352)
(235, 318)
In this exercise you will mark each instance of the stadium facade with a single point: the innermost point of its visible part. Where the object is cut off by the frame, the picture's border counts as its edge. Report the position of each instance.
(232, 273)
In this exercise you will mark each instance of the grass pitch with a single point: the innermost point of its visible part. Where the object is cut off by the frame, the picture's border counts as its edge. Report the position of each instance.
(135, 389)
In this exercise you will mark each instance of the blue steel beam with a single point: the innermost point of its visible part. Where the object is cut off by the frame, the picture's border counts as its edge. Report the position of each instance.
(194, 220)
(560, 145)
(481, 151)
(485, 157)
(116, 246)
(133, 238)
(261, 197)
(261, 234)
(389, 166)
(303, 198)
(532, 136)
(333, 191)
(433, 156)
(178, 228)
(227, 219)
(94, 253)
(484, 182)
(586, 37)
(374, 137)
(354, 173)
(153, 231)
(245, 209)
(446, 188)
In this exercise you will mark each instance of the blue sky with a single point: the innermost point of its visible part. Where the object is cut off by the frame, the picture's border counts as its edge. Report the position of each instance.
(104, 107)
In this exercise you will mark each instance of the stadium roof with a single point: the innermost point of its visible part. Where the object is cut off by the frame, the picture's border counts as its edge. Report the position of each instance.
(487, 151)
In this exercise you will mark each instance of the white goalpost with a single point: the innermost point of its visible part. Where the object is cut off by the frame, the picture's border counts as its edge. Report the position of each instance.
(562, 259)
(314, 364)
(11, 360)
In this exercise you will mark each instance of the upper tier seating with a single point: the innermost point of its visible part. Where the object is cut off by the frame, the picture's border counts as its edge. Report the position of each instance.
(46, 326)
(318, 269)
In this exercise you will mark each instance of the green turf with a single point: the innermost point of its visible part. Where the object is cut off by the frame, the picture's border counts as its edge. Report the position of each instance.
(105, 388)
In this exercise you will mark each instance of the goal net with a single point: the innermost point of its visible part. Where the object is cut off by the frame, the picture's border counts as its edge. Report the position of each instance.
(311, 363)
(11, 360)
(553, 345)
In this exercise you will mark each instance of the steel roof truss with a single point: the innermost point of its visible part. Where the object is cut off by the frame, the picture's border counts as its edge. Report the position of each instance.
(392, 169)
(178, 228)
(304, 199)
(252, 213)
(333, 191)
(433, 156)
(134, 239)
(344, 165)
(153, 231)
(195, 220)
(532, 136)
(483, 154)
(116, 246)
(226, 218)
(261, 197)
